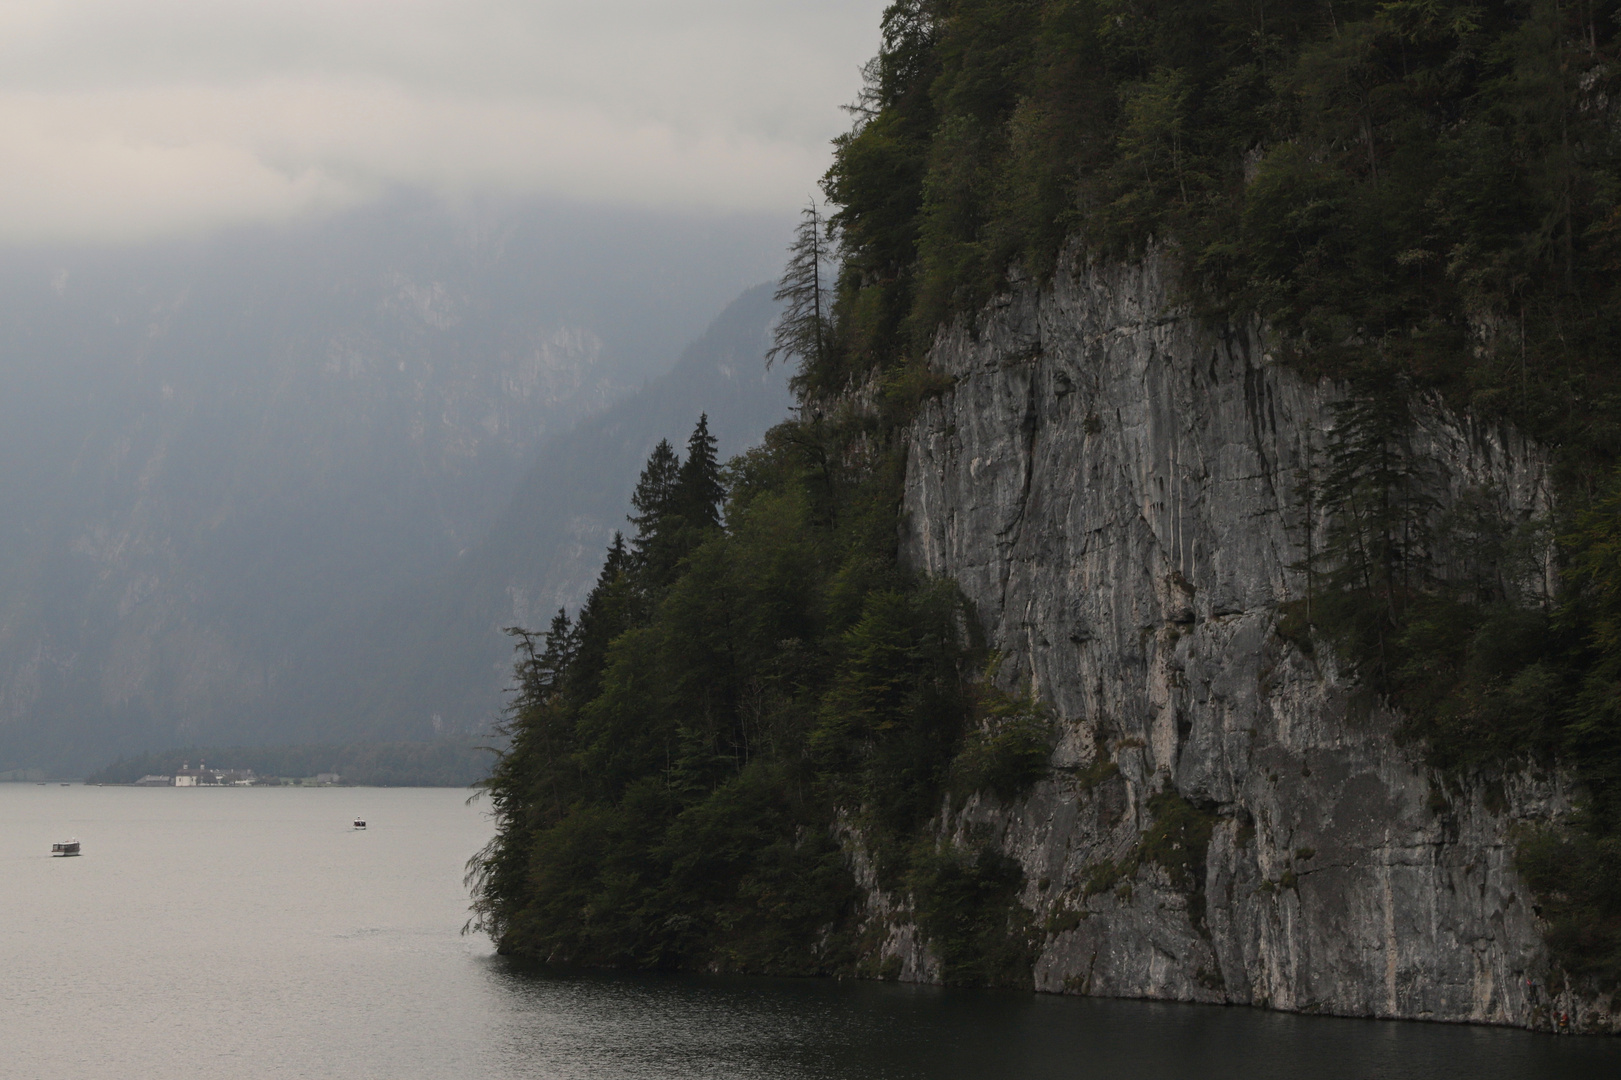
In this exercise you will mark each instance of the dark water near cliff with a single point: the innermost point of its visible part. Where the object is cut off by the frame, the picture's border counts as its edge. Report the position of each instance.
(252, 933)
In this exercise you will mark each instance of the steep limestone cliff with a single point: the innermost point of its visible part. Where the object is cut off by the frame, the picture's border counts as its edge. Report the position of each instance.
(1115, 487)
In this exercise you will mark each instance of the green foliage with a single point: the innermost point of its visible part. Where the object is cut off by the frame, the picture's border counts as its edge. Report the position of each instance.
(1103, 876)
(1101, 771)
(804, 327)
(1177, 841)
(1576, 876)
(677, 504)
(1379, 504)
(1417, 198)
(683, 756)
(1441, 613)
(1418, 191)
(905, 387)
(966, 902)
(1009, 746)
(1591, 619)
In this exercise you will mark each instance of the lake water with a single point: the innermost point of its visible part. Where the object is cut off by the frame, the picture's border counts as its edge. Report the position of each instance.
(254, 933)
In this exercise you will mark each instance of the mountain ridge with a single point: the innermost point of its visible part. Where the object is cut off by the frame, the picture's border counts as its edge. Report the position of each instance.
(217, 451)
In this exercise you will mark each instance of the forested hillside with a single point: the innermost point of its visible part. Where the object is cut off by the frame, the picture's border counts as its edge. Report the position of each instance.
(1415, 198)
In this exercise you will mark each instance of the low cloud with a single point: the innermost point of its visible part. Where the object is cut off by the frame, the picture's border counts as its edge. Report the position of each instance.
(126, 120)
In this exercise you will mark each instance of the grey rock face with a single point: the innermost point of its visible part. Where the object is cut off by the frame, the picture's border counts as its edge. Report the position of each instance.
(1116, 489)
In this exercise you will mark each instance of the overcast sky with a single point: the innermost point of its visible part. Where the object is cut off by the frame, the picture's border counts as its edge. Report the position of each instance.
(130, 119)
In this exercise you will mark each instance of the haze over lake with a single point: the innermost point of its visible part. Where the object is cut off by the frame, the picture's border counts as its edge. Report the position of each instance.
(255, 933)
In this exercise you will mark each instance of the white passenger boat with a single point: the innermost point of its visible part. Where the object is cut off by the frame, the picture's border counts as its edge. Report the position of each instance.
(360, 823)
(67, 847)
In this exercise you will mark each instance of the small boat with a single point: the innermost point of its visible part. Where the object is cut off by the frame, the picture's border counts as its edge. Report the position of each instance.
(360, 823)
(67, 847)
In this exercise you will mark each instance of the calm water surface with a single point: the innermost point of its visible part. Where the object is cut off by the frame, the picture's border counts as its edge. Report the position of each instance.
(253, 933)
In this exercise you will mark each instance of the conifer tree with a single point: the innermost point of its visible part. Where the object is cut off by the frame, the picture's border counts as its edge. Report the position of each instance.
(699, 491)
(540, 670)
(657, 515)
(552, 663)
(606, 613)
(802, 330)
(1375, 494)
(528, 784)
(655, 495)
(1377, 498)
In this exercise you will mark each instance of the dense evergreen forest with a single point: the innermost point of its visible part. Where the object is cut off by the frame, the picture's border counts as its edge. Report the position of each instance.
(1417, 197)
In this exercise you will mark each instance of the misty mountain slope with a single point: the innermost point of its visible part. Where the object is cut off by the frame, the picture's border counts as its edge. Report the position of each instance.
(435, 661)
(213, 454)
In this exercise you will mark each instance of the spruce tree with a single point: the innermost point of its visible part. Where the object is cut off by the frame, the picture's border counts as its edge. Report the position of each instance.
(607, 612)
(552, 663)
(1377, 497)
(655, 495)
(699, 491)
(657, 515)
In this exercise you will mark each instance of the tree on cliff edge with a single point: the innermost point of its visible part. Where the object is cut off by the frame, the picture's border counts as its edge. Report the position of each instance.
(802, 330)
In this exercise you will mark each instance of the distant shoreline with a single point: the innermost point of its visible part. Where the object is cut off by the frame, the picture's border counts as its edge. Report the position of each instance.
(60, 782)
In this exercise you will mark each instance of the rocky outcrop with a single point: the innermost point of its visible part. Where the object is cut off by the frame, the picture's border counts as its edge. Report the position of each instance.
(1115, 487)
